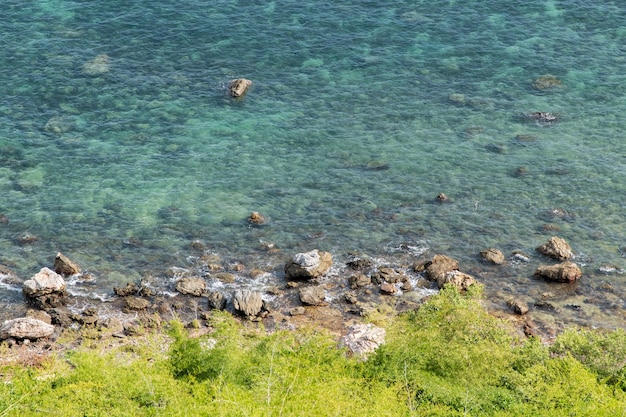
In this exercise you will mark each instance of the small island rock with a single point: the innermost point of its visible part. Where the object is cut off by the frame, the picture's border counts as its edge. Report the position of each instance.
(556, 248)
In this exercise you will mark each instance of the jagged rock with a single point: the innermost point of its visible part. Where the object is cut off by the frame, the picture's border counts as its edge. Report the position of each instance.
(60, 316)
(360, 280)
(238, 87)
(493, 255)
(388, 275)
(439, 266)
(308, 265)
(563, 272)
(460, 280)
(135, 303)
(247, 302)
(556, 248)
(192, 286)
(518, 307)
(130, 289)
(363, 339)
(101, 64)
(360, 264)
(64, 266)
(217, 300)
(43, 283)
(39, 315)
(313, 296)
(25, 328)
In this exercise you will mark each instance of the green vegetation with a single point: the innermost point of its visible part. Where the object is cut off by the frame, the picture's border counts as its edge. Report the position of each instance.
(449, 358)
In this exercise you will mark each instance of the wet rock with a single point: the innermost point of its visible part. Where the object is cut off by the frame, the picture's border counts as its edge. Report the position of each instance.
(257, 218)
(460, 280)
(359, 281)
(547, 82)
(27, 239)
(225, 277)
(387, 288)
(308, 265)
(64, 266)
(217, 300)
(4, 219)
(518, 307)
(191, 286)
(25, 328)
(132, 303)
(541, 117)
(249, 303)
(556, 248)
(563, 272)
(364, 339)
(100, 64)
(442, 198)
(313, 296)
(388, 275)
(437, 268)
(45, 282)
(238, 87)
(130, 289)
(493, 256)
(360, 264)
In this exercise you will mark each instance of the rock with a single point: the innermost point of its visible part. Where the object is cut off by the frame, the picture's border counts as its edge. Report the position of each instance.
(192, 286)
(563, 272)
(60, 316)
(247, 302)
(101, 64)
(556, 248)
(297, 311)
(130, 289)
(39, 315)
(547, 82)
(25, 328)
(358, 281)
(437, 268)
(541, 117)
(60, 124)
(460, 280)
(360, 264)
(351, 298)
(493, 255)
(313, 296)
(217, 300)
(442, 198)
(43, 283)
(64, 266)
(518, 307)
(257, 218)
(27, 239)
(225, 277)
(388, 275)
(308, 265)
(238, 87)
(363, 339)
(135, 303)
(387, 288)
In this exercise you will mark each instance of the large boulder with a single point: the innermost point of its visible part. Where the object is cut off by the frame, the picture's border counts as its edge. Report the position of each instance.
(308, 265)
(248, 303)
(437, 268)
(44, 282)
(25, 328)
(563, 272)
(556, 248)
(64, 266)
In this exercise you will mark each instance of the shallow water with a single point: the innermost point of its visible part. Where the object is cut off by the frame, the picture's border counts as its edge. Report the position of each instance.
(358, 117)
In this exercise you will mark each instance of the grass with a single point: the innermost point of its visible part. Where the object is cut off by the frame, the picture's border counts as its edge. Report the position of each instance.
(449, 358)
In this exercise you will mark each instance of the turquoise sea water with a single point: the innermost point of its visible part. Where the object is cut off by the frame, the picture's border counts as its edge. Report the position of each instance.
(360, 114)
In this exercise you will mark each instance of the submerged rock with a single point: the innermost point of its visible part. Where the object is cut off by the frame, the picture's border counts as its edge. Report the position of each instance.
(64, 266)
(563, 272)
(100, 64)
(308, 265)
(556, 248)
(547, 82)
(25, 328)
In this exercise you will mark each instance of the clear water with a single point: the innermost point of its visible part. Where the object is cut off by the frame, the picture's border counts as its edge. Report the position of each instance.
(360, 114)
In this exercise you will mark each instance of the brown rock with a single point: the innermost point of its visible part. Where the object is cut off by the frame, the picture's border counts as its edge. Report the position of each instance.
(518, 307)
(439, 266)
(64, 266)
(136, 304)
(460, 280)
(238, 87)
(358, 281)
(493, 256)
(556, 248)
(313, 296)
(226, 277)
(130, 289)
(192, 286)
(387, 288)
(257, 218)
(217, 300)
(563, 272)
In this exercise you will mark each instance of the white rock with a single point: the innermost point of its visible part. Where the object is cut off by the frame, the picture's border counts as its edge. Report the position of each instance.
(45, 282)
(25, 328)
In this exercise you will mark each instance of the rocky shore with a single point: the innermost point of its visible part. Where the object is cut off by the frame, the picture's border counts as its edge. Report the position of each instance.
(309, 290)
